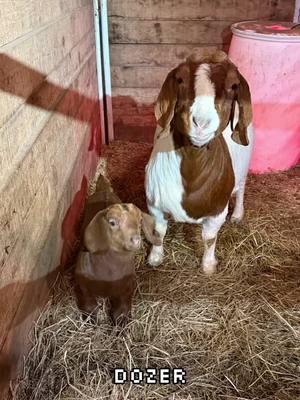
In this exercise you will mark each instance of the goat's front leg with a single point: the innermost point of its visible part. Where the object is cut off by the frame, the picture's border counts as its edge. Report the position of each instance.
(161, 224)
(87, 304)
(210, 229)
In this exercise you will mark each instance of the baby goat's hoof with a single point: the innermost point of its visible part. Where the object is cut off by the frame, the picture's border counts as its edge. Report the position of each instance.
(156, 256)
(209, 267)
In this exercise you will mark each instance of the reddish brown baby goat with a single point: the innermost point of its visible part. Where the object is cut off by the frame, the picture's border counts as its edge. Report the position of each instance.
(105, 266)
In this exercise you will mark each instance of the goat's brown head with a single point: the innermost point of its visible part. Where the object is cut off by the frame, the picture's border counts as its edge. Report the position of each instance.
(198, 97)
(118, 228)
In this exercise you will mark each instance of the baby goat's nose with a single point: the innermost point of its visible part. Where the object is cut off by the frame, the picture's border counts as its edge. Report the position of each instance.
(135, 240)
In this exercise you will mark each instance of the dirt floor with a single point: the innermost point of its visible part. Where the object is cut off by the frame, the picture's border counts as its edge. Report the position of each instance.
(237, 333)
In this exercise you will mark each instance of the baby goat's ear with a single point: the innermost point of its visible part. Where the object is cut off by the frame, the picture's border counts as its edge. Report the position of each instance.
(95, 237)
(148, 226)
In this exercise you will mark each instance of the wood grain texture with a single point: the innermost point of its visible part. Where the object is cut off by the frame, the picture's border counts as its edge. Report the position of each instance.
(201, 9)
(138, 77)
(154, 55)
(145, 96)
(14, 148)
(42, 52)
(21, 17)
(122, 30)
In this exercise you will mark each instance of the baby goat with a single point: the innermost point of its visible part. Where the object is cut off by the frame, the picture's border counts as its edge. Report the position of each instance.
(105, 266)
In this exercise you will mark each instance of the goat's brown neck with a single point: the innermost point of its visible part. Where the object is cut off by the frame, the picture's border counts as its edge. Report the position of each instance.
(111, 264)
(114, 255)
(201, 169)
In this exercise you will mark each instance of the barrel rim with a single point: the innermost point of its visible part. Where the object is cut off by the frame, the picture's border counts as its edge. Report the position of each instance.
(262, 36)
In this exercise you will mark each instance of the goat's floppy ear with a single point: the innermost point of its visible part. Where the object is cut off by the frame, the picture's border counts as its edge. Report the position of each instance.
(243, 98)
(95, 237)
(148, 226)
(166, 101)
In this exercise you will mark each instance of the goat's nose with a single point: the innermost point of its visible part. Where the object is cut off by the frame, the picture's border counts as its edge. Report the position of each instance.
(135, 240)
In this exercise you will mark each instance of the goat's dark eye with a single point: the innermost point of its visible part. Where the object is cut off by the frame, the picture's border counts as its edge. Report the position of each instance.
(113, 222)
(179, 80)
(234, 86)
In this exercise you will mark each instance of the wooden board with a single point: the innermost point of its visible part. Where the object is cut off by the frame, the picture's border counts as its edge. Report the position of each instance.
(139, 77)
(141, 96)
(163, 55)
(172, 32)
(42, 52)
(13, 148)
(22, 17)
(201, 9)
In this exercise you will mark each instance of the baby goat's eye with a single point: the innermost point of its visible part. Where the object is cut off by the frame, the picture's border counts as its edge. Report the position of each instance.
(113, 222)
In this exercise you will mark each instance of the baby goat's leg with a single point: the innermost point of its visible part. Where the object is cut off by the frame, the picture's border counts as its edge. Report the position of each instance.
(210, 229)
(238, 211)
(120, 309)
(161, 224)
(87, 304)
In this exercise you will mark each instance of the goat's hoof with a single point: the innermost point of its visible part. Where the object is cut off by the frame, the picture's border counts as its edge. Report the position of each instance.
(156, 256)
(236, 219)
(237, 216)
(209, 267)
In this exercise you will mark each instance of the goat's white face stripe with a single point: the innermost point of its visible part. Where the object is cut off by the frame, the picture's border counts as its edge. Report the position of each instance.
(204, 119)
(203, 84)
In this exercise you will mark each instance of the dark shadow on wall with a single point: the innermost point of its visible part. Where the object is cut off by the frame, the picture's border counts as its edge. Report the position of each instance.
(26, 298)
(33, 87)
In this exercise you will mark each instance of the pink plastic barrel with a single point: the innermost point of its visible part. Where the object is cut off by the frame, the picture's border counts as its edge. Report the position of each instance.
(268, 55)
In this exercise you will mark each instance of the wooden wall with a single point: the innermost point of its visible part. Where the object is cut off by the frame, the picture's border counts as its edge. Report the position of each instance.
(149, 37)
(49, 144)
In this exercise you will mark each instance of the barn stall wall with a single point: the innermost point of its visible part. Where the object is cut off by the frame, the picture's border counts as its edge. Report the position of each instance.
(149, 37)
(49, 146)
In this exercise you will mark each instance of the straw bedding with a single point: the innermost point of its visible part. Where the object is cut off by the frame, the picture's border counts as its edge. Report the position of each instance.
(236, 333)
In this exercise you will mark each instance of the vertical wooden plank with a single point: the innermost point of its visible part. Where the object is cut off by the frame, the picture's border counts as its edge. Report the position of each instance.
(106, 70)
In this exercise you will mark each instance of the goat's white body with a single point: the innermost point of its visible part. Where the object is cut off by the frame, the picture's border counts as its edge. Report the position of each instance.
(240, 156)
(164, 188)
(164, 191)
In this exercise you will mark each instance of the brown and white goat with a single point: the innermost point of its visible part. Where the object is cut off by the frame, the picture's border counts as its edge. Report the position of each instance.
(105, 266)
(202, 148)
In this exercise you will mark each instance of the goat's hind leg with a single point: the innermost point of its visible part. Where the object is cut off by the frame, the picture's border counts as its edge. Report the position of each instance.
(210, 229)
(238, 211)
(161, 224)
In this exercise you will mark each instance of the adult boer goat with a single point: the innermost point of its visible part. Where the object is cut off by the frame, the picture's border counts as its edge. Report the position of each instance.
(202, 148)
